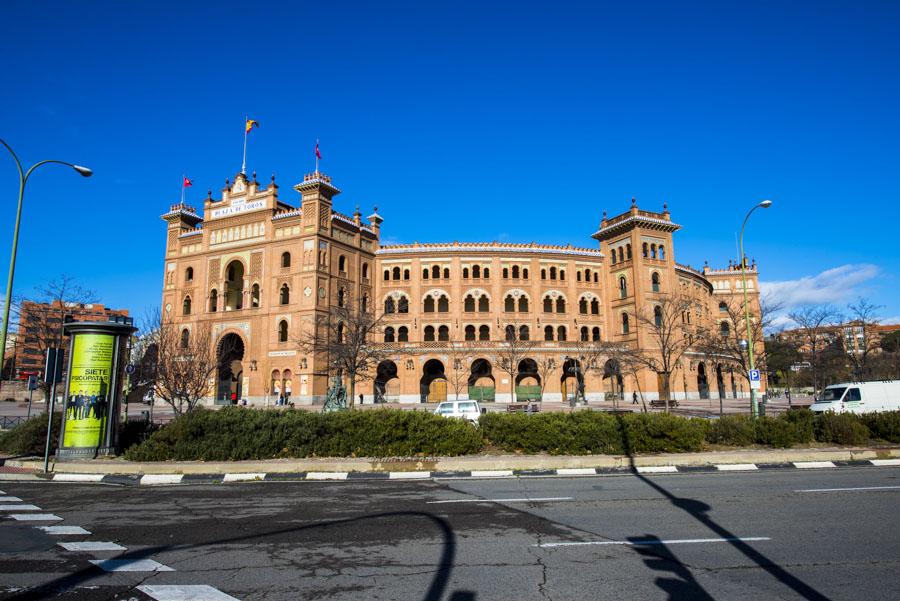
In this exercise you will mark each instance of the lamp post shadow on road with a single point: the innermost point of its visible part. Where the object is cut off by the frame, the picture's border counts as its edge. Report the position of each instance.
(23, 179)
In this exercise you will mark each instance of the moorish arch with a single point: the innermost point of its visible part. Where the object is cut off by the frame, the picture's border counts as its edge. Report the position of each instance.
(433, 384)
(230, 369)
(387, 382)
(481, 383)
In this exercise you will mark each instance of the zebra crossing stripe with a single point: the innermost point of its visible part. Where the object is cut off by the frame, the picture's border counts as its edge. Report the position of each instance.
(175, 592)
(130, 565)
(63, 530)
(35, 517)
(19, 508)
(91, 545)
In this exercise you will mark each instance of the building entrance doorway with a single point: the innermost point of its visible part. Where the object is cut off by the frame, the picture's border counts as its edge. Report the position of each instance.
(702, 381)
(230, 372)
(433, 385)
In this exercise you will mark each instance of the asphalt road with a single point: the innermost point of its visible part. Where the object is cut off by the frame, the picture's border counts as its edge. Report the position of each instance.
(761, 535)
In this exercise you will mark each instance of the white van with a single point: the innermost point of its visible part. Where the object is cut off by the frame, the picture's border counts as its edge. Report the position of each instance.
(860, 397)
(467, 410)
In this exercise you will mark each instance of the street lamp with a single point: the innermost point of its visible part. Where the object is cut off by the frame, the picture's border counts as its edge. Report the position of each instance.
(754, 408)
(23, 178)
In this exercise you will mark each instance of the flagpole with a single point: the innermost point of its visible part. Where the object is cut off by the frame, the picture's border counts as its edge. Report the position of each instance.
(244, 164)
(182, 187)
(317, 156)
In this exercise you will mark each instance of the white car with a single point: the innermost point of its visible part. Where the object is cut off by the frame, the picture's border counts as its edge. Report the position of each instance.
(859, 397)
(467, 410)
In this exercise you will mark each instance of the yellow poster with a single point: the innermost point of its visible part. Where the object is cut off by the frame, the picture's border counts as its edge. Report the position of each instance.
(88, 396)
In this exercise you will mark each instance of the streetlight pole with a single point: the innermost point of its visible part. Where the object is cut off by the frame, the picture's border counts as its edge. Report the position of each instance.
(23, 179)
(754, 407)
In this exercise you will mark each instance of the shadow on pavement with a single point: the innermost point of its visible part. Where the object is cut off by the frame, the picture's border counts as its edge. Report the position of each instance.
(660, 558)
(700, 512)
(435, 591)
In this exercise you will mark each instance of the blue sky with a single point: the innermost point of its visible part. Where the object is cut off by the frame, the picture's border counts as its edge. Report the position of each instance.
(472, 121)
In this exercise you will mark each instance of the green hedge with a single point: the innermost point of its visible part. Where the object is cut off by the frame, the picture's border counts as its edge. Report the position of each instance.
(235, 433)
(29, 437)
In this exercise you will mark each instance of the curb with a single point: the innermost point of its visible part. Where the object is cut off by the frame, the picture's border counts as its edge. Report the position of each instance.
(239, 477)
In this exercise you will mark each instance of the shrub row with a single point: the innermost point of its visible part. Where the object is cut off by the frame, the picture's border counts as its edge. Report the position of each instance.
(29, 437)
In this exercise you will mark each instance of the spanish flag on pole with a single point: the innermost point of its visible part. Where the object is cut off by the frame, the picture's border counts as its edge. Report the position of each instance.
(251, 124)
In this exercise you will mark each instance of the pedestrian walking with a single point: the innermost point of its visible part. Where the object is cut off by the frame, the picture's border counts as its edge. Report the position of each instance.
(634, 398)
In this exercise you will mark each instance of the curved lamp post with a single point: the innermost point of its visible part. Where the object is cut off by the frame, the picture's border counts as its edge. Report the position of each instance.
(754, 407)
(23, 178)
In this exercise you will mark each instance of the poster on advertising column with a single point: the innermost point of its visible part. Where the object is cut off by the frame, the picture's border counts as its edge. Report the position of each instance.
(88, 396)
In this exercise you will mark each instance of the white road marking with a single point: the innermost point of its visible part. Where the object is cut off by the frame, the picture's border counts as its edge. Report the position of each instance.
(492, 473)
(326, 475)
(884, 461)
(92, 546)
(523, 500)
(409, 475)
(19, 508)
(35, 517)
(9, 499)
(196, 592)
(630, 543)
(161, 478)
(848, 489)
(130, 565)
(736, 467)
(244, 476)
(812, 464)
(576, 471)
(657, 469)
(63, 529)
(78, 477)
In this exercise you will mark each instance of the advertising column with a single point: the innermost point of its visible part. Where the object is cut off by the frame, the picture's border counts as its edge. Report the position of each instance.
(90, 414)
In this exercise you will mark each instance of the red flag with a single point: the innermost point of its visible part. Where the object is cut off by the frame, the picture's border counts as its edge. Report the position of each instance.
(187, 183)
(318, 154)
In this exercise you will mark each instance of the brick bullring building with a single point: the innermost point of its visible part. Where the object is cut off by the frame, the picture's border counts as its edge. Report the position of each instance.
(257, 270)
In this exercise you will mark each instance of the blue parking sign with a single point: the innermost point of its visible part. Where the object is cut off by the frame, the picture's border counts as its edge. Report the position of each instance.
(754, 375)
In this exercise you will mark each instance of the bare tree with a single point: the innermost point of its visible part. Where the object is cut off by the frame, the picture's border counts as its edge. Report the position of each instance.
(814, 322)
(186, 362)
(458, 373)
(345, 339)
(510, 353)
(863, 323)
(629, 363)
(546, 367)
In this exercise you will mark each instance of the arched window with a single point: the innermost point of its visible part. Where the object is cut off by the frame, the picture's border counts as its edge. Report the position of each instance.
(285, 259)
(515, 272)
(662, 252)
(505, 273)
(470, 332)
(424, 273)
(389, 334)
(389, 306)
(553, 273)
(484, 304)
(469, 304)
(435, 272)
(284, 296)
(583, 306)
(342, 263)
(403, 334)
(560, 305)
(585, 334)
(548, 304)
(543, 274)
(443, 304)
(595, 334)
(724, 329)
(654, 281)
(365, 270)
(254, 295)
(548, 332)
(587, 275)
(652, 251)
(509, 333)
(396, 273)
(403, 305)
(387, 274)
(443, 333)
(578, 276)
(524, 273)
(189, 274)
(657, 316)
(186, 306)
(213, 300)
(523, 333)
(465, 273)
(523, 304)
(624, 323)
(406, 274)
(364, 303)
(623, 287)
(282, 331)
(628, 251)
(185, 338)
(562, 274)
(476, 271)
(561, 333)
(486, 273)
(446, 273)
(340, 297)
(595, 307)
(612, 256)
(340, 332)
(509, 304)
(429, 334)
(429, 304)
(644, 252)
(723, 308)
(484, 333)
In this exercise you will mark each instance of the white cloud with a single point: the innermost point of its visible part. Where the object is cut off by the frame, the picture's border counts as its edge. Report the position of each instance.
(837, 285)
(889, 321)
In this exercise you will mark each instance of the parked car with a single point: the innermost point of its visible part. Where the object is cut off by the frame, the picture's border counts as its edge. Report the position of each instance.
(859, 397)
(467, 410)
